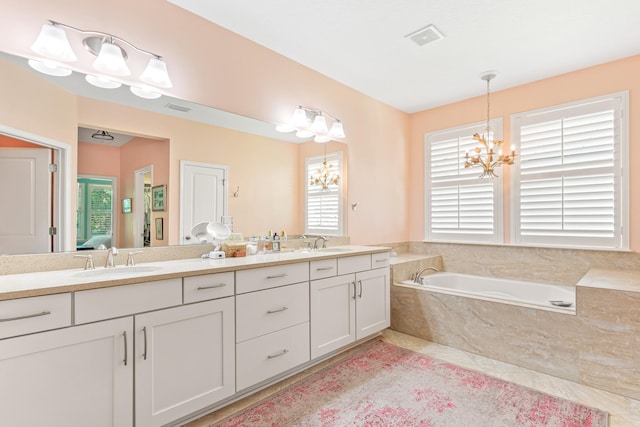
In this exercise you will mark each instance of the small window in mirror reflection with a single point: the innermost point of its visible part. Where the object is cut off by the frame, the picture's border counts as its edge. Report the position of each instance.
(126, 205)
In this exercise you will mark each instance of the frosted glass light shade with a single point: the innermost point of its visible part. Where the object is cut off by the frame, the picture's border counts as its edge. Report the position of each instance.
(111, 61)
(321, 138)
(336, 130)
(145, 92)
(102, 82)
(50, 68)
(52, 42)
(299, 119)
(156, 73)
(319, 125)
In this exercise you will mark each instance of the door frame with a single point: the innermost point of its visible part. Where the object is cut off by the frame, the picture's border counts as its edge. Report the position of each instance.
(62, 207)
(225, 191)
(138, 204)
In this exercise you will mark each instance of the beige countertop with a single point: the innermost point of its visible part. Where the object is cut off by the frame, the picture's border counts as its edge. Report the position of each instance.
(618, 280)
(24, 285)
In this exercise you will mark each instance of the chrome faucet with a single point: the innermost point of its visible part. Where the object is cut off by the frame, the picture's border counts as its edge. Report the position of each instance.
(418, 276)
(88, 264)
(130, 261)
(324, 242)
(111, 252)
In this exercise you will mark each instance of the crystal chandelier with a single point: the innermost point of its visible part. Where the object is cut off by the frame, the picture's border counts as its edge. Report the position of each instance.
(484, 154)
(325, 175)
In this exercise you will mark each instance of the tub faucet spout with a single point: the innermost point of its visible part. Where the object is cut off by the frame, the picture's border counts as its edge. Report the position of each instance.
(418, 276)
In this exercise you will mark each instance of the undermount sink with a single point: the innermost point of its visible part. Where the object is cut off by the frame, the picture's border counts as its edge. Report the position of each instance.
(334, 250)
(118, 271)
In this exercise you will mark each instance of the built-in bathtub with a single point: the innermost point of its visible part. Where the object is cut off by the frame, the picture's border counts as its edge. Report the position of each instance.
(517, 292)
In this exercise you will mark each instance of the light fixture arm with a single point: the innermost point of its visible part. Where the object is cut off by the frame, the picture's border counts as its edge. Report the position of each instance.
(101, 33)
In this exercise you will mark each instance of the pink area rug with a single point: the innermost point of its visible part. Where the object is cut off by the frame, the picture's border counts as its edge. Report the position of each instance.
(384, 385)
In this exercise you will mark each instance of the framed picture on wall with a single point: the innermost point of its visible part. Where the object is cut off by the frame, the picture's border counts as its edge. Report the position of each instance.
(126, 205)
(159, 229)
(158, 197)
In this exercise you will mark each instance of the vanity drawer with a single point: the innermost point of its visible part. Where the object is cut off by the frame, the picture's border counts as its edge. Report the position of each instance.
(107, 303)
(323, 268)
(380, 260)
(258, 279)
(353, 264)
(208, 286)
(259, 313)
(35, 314)
(271, 354)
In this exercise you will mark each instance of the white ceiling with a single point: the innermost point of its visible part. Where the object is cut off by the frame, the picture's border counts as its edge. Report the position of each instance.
(362, 44)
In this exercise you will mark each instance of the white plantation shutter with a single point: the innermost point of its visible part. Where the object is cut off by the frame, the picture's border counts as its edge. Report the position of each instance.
(459, 205)
(569, 189)
(324, 210)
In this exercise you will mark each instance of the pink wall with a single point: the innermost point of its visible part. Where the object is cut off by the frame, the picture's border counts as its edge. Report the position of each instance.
(137, 154)
(590, 82)
(97, 159)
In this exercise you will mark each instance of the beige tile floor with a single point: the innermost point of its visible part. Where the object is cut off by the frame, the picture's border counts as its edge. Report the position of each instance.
(623, 411)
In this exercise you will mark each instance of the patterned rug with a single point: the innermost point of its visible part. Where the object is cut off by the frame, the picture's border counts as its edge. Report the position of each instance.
(384, 385)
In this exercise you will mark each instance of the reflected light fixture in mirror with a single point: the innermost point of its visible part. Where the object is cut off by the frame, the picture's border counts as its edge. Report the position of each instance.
(102, 135)
(110, 63)
(309, 122)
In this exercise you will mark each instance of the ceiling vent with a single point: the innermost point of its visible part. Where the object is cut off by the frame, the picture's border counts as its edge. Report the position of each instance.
(425, 35)
(178, 108)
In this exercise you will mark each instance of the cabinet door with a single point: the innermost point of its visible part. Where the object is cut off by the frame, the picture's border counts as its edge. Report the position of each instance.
(79, 376)
(373, 302)
(185, 360)
(333, 313)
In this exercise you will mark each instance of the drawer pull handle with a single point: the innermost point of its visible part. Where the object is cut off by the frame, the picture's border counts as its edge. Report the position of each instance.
(278, 310)
(219, 285)
(126, 351)
(28, 316)
(278, 354)
(324, 268)
(354, 289)
(360, 282)
(277, 276)
(381, 260)
(144, 331)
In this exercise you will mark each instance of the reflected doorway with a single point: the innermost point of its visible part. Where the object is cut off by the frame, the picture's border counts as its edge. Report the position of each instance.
(142, 207)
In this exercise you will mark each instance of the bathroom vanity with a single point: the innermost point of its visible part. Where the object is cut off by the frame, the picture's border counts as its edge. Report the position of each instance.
(160, 343)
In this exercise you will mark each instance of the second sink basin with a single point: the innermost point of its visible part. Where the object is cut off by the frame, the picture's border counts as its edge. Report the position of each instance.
(118, 271)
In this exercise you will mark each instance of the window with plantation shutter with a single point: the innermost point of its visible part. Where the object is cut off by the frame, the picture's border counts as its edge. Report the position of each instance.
(569, 184)
(459, 205)
(324, 207)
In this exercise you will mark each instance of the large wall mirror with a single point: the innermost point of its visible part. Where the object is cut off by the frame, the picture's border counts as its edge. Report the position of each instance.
(265, 186)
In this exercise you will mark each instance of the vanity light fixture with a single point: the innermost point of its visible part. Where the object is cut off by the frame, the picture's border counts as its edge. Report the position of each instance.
(310, 122)
(110, 63)
(484, 155)
(102, 135)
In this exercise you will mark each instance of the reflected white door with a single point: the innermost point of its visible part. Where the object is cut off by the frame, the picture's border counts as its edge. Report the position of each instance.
(203, 196)
(25, 195)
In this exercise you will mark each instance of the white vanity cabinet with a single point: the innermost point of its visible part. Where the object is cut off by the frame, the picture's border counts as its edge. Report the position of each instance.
(185, 360)
(77, 376)
(272, 318)
(350, 306)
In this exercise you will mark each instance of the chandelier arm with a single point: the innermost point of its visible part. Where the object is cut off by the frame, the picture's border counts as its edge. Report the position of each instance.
(111, 36)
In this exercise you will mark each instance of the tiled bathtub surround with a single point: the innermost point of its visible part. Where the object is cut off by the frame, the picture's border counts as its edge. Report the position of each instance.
(599, 346)
(549, 265)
